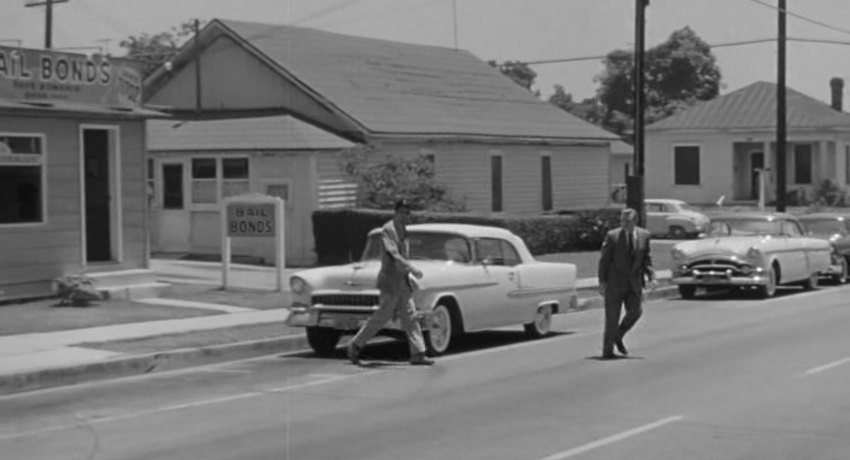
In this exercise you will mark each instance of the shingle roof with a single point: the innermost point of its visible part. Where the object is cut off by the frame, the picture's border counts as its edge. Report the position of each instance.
(273, 133)
(400, 88)
(754, 107)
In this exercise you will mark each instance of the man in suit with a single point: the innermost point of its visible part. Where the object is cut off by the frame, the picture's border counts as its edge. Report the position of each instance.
(396, 283)
(625, 266)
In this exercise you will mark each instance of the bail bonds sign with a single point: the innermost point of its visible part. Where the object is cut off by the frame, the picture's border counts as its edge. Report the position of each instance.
(251, 219)
(37, 75)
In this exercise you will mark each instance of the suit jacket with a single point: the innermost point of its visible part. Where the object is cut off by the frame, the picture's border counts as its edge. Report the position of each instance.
(395, 268)
(618, 266)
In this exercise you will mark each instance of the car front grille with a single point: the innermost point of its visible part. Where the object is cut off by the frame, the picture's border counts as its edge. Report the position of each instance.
(720, 265)
(345, 300)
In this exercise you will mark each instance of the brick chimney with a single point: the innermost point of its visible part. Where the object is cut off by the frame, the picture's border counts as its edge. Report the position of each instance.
(837, 86)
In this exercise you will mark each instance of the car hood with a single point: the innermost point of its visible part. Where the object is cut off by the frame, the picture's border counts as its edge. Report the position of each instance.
(730, 245)
(363, 275)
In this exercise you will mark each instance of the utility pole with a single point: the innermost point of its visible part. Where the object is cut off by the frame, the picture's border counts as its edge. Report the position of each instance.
(197, 44)
(635, 183)
(781, 135)
(48, 18)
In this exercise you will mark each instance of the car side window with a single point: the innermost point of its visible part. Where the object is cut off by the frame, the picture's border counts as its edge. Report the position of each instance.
(488, 250)
(510, 255)
(791, 228)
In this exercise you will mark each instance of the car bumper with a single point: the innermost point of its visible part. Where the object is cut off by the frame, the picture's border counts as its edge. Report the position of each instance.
(833, 270)
(721, 278)
(350, 321)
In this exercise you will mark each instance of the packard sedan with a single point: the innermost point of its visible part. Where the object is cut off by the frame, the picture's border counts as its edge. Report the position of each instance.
(835, 228)
(475, 278)
(751, 250)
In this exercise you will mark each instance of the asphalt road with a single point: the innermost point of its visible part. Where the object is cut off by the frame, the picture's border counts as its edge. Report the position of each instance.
(717, 378)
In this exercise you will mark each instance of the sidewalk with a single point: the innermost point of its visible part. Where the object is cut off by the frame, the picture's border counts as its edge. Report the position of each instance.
(193, 323)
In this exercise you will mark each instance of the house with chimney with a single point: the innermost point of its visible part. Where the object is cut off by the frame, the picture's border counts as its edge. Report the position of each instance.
(718, 148)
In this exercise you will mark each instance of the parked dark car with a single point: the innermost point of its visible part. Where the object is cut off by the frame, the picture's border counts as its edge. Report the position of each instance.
(834, 227)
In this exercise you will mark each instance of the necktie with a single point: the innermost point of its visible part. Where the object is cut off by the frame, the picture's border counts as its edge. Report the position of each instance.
(631, 243)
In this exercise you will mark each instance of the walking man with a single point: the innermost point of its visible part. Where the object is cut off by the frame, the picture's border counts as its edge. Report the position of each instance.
(624, 268)
(396, 288)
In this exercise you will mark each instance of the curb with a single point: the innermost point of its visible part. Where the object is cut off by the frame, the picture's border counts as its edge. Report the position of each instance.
(134, 365)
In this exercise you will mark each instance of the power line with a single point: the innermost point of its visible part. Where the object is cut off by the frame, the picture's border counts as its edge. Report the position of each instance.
(801, 17)
(716, 45)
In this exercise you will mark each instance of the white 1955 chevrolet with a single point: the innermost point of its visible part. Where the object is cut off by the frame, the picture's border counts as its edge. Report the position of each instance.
(751, 250)
(475, 278)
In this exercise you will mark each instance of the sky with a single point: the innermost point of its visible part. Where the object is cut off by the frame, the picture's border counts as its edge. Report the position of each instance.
(519, 30)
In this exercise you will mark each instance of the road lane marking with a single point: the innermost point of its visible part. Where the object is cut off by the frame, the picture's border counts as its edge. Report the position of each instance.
(615, 438)
(326, 378)
(825, 367)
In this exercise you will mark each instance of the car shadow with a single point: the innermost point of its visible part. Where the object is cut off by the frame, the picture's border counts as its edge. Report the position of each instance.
(744, 294)
(388, 352)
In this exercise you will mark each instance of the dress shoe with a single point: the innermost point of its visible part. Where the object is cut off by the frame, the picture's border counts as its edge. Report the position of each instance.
(354, 354)
(609, 355)
(621, 347)
(421, 360)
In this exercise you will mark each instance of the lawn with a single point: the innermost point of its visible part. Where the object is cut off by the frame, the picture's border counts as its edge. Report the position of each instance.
(586, 262)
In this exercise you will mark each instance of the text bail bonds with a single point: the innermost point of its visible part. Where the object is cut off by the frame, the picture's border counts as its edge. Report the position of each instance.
(53, 67)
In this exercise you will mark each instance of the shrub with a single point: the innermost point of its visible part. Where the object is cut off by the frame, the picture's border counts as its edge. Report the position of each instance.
(340, 235)
(77, 290)
(828, 193)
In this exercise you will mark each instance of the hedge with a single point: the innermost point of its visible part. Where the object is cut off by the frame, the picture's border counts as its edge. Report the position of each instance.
(340, 234)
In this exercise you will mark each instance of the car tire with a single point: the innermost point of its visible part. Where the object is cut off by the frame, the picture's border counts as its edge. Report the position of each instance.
(677, 232)
(768, 290)
(811, 283)
(323, 340)
(687, 292)
(438, 331)
(542, 324)
(841, 278)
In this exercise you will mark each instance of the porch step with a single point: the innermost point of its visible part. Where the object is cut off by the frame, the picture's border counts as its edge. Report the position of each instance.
(109, 279)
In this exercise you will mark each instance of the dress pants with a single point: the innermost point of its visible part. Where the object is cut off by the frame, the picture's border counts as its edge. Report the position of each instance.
(615, 297)
(391, 304)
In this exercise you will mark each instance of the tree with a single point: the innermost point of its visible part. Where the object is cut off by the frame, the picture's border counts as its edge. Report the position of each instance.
(382, 183)
(155, 50)
(589, 109)
(519, 72)
(679, 73)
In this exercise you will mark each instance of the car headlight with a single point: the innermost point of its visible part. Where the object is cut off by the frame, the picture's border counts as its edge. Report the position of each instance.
(754, 256)
(298, 285)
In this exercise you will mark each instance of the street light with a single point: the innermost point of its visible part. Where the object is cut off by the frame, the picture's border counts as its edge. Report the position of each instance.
(635, 182)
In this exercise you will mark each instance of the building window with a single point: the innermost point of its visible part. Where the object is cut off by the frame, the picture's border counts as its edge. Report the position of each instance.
(546, 175)
(235, 179)
(803, 164)
(496, 182)
(208, 184)
(21, 179)
(204, 182)
(150, 181)
(686, 165)
(172, 186)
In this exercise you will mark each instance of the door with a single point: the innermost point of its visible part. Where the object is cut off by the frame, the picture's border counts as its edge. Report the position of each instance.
(656, 219)
(173, 217)
(98, 196)
(494, 302)
(756, 164)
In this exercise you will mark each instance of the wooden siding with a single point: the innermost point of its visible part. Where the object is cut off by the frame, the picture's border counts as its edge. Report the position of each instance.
(336, 188)
(579, 174)
(35, 254)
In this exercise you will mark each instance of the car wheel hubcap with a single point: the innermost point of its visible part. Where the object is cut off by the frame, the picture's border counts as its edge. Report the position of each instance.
(440, 329)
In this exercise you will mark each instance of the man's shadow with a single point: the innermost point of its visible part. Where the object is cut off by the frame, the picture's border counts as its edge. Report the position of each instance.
(613, 358)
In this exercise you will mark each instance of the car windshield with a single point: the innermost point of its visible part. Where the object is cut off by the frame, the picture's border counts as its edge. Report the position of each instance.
(824, 226)
(426, 245)
(744, 227)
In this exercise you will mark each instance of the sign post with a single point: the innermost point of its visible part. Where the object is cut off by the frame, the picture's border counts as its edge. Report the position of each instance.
(253, 215)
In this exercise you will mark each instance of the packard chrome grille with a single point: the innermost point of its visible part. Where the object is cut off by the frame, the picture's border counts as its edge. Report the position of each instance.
(345, 300)
(720, 265)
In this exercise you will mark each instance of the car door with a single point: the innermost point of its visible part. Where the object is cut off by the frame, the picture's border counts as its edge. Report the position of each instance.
(795, 252)
(490, 304)
(656, 219)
